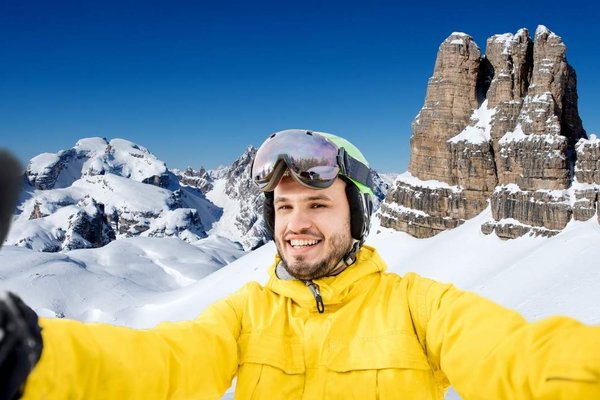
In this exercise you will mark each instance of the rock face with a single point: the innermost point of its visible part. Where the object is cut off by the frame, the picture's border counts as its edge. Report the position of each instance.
(502, 129)
(450, 100)
(402, 208)
(587, 179)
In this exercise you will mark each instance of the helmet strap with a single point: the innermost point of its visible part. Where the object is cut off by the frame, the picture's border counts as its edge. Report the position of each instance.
(351, 167)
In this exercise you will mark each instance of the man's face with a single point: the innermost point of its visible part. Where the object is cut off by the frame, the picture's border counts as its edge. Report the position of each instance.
(312, 227)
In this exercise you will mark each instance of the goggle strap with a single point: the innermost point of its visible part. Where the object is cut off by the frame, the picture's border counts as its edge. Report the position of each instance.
(352, 168)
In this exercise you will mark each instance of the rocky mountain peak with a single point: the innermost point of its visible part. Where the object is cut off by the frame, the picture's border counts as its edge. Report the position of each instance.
(101, 190)
(506, 119)
(96, 156)
(450, 99)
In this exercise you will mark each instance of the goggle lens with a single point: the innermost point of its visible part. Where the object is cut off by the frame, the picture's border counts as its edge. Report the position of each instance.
(310, 158)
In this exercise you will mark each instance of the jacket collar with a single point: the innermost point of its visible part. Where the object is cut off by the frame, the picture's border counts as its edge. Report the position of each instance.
(334, 289)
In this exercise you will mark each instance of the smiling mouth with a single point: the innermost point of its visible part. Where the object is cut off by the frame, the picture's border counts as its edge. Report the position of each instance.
(299, 244)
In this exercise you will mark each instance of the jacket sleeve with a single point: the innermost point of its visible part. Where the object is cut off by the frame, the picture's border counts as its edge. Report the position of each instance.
(489, 352)
(193, 359)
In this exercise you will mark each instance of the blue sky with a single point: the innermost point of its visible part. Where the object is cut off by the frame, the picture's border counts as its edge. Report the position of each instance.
(196, 82)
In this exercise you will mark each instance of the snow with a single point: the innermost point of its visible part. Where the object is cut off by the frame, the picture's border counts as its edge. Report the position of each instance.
(460, 39)
(510, 187)
(388, 177)
(407, 177)
(140, 282)
(593, 140)
(225, 226)
(566, 196)
(583, 186)
(94, 156)
(538, 277)
(105, 283)
(405, 210)
(521, 33)
(134, 161)
(542, 30)
(478, 131)
(91, 145)
(118, 192)
(551, 141)
(57, 205)
(506, 40)
(40, 163)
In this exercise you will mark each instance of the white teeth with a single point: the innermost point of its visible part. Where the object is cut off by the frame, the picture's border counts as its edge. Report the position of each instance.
(303, 243)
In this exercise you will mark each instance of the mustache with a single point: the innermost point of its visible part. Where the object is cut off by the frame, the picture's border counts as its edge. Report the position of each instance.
(306, 231)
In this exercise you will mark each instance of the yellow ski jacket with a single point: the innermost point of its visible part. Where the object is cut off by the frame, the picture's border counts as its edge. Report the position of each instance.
(381, 336)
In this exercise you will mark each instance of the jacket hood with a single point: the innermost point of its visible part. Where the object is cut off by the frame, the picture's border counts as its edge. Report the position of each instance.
(334, 289)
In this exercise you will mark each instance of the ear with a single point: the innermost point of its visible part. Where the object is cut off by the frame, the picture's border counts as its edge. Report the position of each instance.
(357, 213)
(269, 213)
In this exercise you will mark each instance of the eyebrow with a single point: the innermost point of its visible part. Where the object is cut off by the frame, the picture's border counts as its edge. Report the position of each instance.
(316, 197)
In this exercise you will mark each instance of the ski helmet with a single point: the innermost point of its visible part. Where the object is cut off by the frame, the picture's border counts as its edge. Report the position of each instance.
(316, 159)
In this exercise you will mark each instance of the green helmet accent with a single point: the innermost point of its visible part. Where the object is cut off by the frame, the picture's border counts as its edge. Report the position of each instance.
(353, 151)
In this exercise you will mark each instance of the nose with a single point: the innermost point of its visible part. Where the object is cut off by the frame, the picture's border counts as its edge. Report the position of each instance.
(298, 221)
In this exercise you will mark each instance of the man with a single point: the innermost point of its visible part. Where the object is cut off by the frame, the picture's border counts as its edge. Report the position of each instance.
(330, 323)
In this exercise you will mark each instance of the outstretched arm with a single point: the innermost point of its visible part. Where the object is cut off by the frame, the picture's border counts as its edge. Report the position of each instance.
(195, 359)
(487, 351)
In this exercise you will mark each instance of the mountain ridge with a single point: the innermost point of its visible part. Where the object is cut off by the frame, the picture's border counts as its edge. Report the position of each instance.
(103, 190)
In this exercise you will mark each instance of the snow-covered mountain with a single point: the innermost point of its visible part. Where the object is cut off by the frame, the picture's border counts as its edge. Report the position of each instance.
(101, 190)
(232, 189)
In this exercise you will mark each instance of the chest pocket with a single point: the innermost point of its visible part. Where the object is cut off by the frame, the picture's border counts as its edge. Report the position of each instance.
(270, 368)
(391, 366)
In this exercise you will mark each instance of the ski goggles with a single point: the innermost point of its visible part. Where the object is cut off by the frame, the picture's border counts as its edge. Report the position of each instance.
(312, 159)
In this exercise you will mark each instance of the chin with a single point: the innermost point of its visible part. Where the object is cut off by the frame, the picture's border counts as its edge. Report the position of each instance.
(304, 271)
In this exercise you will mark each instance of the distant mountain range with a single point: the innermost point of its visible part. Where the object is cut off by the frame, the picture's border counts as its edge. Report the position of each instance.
(102, 190)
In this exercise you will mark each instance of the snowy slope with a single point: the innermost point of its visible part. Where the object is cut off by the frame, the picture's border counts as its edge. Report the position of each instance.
(536, 276)
(98, 284)
(140, 282)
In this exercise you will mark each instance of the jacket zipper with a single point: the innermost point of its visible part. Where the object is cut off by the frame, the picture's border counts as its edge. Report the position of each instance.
(314, 289)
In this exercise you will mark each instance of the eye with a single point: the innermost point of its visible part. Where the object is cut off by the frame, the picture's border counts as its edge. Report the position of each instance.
(283, 207)
(318, 205)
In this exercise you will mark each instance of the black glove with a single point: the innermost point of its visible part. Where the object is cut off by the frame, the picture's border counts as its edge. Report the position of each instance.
(20, 344)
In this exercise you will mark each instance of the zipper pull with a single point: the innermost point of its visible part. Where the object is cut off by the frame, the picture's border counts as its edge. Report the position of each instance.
(314, 289)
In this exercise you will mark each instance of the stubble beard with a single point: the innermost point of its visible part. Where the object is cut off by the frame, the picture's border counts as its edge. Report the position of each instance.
(338, 245)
